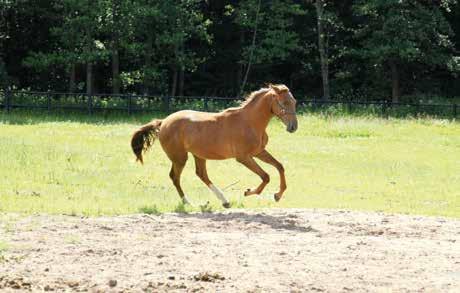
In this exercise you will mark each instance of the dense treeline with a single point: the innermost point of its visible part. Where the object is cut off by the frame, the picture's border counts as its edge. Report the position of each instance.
(363, 49)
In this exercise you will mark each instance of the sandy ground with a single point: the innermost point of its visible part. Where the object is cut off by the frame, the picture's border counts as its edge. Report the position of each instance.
(235, 251)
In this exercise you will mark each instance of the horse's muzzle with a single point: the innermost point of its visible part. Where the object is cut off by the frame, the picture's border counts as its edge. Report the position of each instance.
(292, 126)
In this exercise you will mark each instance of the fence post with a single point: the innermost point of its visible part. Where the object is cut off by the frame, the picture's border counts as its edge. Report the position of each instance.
(48, 103)
(454, 110)
(206, 104)
(90, 104)
(384, 108)
(166, 103)
(7, 99)
(129, 105)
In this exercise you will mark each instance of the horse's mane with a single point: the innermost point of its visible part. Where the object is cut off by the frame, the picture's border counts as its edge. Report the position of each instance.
(255, 94)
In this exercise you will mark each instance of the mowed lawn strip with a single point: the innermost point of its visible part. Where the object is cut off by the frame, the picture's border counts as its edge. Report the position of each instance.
(79, 165)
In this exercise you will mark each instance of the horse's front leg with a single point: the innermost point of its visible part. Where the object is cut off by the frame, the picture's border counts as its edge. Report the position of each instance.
(252, 165)
(268, 158)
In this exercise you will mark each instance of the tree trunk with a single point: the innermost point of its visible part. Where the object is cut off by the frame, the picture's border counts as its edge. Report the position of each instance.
(115, 47)
(72, 78)
(115, 71)
(89, 64)
(323, 46)
(240, 69)
(148, 65)
(395, 93)
(174, 81)
(253, 46)
(181, 81)
(89, 78)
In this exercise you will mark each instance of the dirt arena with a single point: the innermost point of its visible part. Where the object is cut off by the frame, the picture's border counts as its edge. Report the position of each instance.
(234, 251)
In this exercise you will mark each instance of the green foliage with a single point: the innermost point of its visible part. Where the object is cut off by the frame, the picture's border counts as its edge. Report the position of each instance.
(405, 31)
(3, 74)
(78, 36)
(276, 38)
(163, 32)
(204, 46)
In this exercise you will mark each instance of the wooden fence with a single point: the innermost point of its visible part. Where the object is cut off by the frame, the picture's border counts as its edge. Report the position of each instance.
(129, 104)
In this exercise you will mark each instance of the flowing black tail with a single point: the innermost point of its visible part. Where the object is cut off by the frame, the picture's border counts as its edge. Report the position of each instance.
(144, 137)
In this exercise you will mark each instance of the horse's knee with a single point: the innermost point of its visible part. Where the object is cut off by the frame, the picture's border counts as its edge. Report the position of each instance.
(279, 167)
(174, 177)
(201, 174)
(265, 178)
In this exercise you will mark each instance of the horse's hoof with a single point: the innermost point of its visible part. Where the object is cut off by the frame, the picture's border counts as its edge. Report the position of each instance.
(247, 192)
(226, 205)
(277, 197)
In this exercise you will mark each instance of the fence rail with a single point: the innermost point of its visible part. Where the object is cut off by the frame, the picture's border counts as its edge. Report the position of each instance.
(135, 103)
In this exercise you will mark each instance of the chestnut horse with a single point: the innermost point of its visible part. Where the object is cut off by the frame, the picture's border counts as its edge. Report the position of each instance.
(233, 133)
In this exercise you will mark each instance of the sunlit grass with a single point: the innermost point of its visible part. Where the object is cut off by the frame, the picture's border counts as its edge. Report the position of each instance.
(72, 164)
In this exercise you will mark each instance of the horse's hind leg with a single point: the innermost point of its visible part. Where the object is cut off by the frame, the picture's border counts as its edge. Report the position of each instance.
(178, 164)
(200, 168)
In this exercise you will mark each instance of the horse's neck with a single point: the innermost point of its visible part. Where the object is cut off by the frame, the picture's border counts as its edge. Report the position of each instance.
(258, 113)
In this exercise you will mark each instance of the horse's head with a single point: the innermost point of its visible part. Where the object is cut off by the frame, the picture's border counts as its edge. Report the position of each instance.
(283, 106)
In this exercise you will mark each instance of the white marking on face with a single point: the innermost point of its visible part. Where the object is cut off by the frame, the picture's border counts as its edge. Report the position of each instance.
(218, 193)
(291, 96)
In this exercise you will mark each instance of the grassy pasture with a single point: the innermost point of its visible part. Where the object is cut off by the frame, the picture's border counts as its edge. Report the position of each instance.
(73, 164)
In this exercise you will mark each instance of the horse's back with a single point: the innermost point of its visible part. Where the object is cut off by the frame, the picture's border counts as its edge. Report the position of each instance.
(188, 117)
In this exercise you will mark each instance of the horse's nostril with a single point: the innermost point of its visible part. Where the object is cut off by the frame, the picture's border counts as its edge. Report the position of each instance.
(291, 126)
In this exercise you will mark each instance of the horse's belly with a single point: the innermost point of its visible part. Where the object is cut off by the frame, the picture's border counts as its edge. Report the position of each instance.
(219, 149)
(207, 149)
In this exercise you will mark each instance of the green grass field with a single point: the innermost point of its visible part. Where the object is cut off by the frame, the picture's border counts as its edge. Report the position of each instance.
(71, 164)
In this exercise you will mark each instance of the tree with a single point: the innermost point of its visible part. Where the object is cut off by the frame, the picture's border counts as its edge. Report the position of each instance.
(79, 40)
(3, 74)
(164, 32)
(116, 32)
(270, 25)
(252, 48)
(339, 48)
(323, 46)
(3, 37)
(398, 34)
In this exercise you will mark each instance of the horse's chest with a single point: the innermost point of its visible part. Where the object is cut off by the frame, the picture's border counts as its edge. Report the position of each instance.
(250, 145)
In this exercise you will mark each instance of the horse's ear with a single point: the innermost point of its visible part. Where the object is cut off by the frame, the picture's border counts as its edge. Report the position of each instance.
(278, 88)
